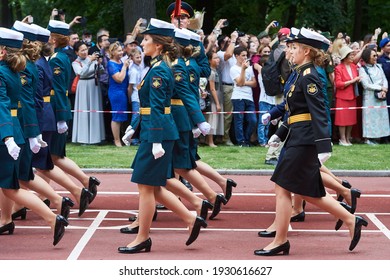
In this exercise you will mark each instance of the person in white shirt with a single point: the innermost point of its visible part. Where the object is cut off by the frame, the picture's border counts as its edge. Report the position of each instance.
(242, 97)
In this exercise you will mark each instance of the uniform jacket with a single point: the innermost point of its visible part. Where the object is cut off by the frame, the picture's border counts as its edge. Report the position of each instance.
(305, 96)
(45, 113)
(26, 109)
(10, 88)
(189, 113)
(61, 67)
(194, 72)
(155, 92)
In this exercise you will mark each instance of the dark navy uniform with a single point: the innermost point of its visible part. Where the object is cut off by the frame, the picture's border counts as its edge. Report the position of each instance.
(61, 67)
(28, 117)
(45, 114)
(186, 111)
(10, 88)
(156, 126)
(305, 133)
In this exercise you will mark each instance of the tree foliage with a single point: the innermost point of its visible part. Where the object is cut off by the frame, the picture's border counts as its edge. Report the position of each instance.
(357, 18)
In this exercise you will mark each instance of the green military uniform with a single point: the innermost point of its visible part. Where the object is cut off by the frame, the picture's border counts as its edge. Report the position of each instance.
(10, 89)
(61, 67)
(28, 117)
(156, 125)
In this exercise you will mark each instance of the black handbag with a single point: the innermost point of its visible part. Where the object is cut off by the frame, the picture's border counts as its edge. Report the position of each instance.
(376, 92)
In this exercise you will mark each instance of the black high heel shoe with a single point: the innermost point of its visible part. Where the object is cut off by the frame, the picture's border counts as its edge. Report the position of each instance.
(265, 233)
(284, 248)
(347, 185)
(85, 197)
(129, 230)
(22, 213)
(340, 222)
(66, 204)
(355, 194)
(10, 227)
(47, 202)
(298, 218)
(92, 187)
(206, 205)
(186, 183)
(217, 205)
(359, 222)
(147, 245)
(59, 229)
(230, 184)
(199, 222)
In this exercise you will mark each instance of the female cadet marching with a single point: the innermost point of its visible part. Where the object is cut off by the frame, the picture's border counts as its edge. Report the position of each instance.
(152, 165)
(29, 122)
(12, 139)
(60, 65)
(307, 143)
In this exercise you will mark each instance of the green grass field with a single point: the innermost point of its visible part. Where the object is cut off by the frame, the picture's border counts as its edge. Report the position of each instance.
(356, 157)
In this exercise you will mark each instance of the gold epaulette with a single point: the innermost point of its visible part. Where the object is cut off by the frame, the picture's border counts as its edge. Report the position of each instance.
(176, 61)
(157, 64)
(53, 55)
(307, 71)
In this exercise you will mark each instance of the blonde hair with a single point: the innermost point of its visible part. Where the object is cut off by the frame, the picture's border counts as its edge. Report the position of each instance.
(31, 50)
(14, 58)
(112, 48)
(317, 56)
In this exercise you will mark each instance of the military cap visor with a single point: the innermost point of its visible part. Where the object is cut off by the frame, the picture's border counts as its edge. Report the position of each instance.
(59, 27)
(159, 27)
(311, 38)
(186, 9)
(29, 32)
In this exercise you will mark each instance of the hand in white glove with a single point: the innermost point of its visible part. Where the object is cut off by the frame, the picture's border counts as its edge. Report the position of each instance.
(196, 132)
(204, 127)
(324, 157)
(265, 118)
(12, 148)
(62, 127)
(157, 150)
(34, 145)
(128, 134)
(274, 141)
(40, 141)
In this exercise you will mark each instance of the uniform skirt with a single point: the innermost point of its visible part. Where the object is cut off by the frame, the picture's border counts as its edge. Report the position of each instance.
(26, 172)
(194, 147)
(9, 174)
(58, 144)
(182, 157)
(298, 171)
(42, 160)
(150, 171)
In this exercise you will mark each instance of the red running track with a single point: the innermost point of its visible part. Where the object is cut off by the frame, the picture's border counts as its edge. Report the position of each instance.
(232, 236)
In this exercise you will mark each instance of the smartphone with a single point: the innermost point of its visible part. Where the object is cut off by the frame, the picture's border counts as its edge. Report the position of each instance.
(276, 23)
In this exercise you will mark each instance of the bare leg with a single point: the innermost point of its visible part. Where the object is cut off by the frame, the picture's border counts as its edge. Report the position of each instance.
(116, 127)
(6, 206)
(297, 205)
(282, 218)
(71, 168)
(176, 187)
(61, 178)
(195, 179)
(206, 170)
(342, 134)
(348, 134)
(210, 140)
(333, 184)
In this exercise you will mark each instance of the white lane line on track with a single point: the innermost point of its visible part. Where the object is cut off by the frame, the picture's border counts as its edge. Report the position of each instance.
(87, 235)
(379, 225)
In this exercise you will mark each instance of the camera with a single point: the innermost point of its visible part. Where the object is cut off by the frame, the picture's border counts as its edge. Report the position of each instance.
(60, 12)
(225, 23)
(99, 55)
(240, 33)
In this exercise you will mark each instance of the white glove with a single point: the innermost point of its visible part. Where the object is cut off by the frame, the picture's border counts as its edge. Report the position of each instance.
(157, 150)
(274, 141)
(196, 132)
(34, 145)
(324, 157)
(128, 134)
(40, 141)
(12, 148)
(62, 127)
(265, 118)
(204, 127)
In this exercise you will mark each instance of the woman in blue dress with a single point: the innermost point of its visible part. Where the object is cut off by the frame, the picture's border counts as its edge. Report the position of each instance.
(117, 89)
